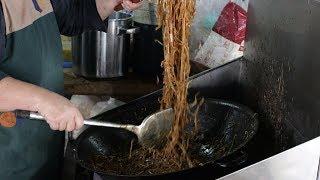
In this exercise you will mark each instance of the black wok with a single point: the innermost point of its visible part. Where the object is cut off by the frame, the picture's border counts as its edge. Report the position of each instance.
(225, 128)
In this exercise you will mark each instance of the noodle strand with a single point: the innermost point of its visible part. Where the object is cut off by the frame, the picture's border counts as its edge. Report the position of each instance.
(175, 17)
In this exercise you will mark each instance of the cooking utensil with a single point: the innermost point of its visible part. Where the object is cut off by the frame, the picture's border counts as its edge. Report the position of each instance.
(98, 54)
(225, 128)
(151, 132)
(148, 44)
(148, 50)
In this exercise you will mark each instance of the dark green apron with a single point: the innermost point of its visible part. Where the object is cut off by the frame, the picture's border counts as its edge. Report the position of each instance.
(31, 150)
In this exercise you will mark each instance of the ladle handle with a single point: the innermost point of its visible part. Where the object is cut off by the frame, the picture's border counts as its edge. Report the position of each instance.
(28, 115)
(128, 127)
(90, 122)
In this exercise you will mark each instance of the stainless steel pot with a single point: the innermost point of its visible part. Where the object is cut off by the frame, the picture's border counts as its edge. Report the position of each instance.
(99, 54)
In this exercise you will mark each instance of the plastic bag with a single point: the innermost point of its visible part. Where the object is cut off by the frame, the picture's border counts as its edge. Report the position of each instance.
(91, 106)
(218, 31)
(232, 23)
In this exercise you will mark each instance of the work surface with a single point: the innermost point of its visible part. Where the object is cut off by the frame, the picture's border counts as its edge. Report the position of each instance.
(301, 162)
(125, 89)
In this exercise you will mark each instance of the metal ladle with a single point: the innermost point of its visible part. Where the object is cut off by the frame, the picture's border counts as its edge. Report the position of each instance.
(152, 132)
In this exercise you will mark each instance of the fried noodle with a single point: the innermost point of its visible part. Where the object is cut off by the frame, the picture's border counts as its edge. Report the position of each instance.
(175, 18)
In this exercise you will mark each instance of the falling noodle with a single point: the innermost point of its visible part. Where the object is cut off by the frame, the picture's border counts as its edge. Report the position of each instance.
(175, 17)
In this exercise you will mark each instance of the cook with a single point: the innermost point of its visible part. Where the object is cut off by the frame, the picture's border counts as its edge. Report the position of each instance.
(31, 78)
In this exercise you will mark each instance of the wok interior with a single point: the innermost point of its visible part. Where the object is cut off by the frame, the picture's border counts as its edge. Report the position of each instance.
(224, 129)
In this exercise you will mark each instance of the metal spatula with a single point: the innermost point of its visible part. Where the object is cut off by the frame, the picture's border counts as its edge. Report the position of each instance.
(151, 132)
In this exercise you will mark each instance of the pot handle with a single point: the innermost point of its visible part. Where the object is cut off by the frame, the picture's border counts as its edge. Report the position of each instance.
(132, 30)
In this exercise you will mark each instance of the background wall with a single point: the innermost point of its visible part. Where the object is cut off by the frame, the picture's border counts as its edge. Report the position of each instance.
(280, 76)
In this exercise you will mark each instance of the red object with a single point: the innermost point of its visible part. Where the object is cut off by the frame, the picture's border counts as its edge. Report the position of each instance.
(119, 7)
(232, 23)
(8, 119)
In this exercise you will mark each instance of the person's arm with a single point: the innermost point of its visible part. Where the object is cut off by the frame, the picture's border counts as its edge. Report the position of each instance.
(14, 94)
(77, 16)
(59, 112)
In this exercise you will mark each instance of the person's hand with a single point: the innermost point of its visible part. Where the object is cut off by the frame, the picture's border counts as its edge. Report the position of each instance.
(106, 7)
(59, 112)
(114, 3)
(130, 6)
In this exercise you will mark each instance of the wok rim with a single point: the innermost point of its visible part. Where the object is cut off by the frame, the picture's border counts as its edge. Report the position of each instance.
(239, 106)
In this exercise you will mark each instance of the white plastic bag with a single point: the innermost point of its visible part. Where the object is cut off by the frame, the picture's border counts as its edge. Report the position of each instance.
(207, 46)
(91, 106)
